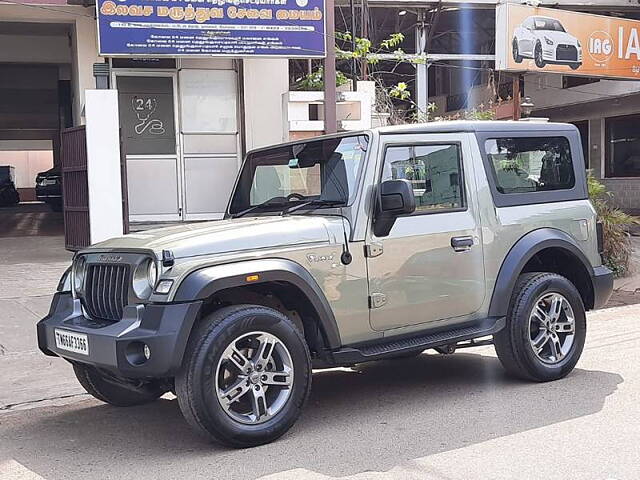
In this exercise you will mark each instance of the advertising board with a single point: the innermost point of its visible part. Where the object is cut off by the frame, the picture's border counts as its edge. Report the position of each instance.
(559, 41)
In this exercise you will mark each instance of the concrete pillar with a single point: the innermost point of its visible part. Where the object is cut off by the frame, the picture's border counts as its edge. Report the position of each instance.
(103, 165)
(265, 81)
(85, 54)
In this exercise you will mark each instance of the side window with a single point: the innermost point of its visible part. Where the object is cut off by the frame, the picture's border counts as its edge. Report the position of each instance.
(435, 171)
(531, 164)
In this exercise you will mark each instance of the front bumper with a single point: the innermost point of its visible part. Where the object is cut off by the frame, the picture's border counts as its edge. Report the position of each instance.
(602, 280)
(164, 328)
(48, 192)
(550, 55)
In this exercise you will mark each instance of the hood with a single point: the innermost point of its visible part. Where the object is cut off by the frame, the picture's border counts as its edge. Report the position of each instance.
(558, 37)
(225, 236)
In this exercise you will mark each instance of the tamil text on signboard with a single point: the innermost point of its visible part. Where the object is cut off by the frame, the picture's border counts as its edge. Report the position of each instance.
(232, 28)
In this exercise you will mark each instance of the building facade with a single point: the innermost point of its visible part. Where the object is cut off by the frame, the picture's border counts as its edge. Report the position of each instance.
(185, 122)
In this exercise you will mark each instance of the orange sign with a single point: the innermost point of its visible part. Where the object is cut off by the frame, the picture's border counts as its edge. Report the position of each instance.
(559, 41)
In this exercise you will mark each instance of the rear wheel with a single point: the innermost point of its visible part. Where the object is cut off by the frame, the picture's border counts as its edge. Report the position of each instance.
(110, 390)
(546, 328)
(246, 376)
(516, 52)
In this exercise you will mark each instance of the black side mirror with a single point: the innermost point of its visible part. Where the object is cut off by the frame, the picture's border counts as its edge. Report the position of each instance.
(396, 198)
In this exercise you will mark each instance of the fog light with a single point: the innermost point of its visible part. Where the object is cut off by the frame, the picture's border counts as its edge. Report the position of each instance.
(164, 286)
(137, 353)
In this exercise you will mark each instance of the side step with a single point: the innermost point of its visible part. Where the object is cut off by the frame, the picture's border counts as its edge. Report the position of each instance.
(398, 346)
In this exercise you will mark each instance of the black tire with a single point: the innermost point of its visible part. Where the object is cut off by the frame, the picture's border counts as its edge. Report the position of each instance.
(196, 382)
(513, 344)
(111, 391)
(516, 52)
(537, 56)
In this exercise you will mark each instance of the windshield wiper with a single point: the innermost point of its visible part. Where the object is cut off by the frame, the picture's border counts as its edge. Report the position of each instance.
(272, 202)
(316, 202)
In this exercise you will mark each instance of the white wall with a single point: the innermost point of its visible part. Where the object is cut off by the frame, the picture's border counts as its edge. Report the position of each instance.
(265, 81)
(28, 164)
(103, 165)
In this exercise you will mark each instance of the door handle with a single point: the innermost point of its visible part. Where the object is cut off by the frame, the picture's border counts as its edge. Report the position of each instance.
(460, 244)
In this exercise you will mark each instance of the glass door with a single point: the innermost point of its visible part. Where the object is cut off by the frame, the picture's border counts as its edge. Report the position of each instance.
(147, 106)
(209, 133)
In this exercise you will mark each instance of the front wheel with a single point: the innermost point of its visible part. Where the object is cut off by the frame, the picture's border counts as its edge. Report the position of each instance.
(516, 52)
(538, 58)
(546, 328)
(246, 376)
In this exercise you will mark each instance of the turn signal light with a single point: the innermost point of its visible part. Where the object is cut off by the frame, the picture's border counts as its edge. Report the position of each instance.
(252, 278)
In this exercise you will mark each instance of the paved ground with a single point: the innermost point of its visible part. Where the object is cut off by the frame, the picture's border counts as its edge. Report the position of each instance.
(432, 417)
(30, 219)
(31, 268)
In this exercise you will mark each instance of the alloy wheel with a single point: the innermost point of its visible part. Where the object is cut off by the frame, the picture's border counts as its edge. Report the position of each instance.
(552, 328)
(254, 378)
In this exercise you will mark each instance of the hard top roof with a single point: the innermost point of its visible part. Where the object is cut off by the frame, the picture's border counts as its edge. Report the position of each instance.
(475, 126)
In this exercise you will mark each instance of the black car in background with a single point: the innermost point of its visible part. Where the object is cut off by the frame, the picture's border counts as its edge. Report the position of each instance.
(8, 193)
(49, 188)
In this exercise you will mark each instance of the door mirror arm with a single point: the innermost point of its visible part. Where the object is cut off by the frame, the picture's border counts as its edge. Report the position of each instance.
(395, 198)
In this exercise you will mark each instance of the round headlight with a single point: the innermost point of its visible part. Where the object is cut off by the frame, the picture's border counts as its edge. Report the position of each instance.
(144, 279)
(79, 274)
(152, 273)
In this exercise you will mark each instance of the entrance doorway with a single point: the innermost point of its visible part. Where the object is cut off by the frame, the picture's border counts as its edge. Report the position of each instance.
(148, 123)
(36, 104)
(180, 140)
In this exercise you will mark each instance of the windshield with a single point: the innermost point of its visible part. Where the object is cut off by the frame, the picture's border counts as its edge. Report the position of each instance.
(325, 171)
(548, 24)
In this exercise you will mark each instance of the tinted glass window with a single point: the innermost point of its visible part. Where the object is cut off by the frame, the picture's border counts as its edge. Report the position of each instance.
(434, 171)
(622, 146)
(531, 164)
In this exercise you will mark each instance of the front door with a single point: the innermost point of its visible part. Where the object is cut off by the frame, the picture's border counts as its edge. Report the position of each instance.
(149, 140)
(430, 266)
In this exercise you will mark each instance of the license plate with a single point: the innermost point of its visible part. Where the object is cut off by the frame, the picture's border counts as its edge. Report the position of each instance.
(72, 342)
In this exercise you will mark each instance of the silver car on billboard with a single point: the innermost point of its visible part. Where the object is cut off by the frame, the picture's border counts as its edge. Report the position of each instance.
(546, 41)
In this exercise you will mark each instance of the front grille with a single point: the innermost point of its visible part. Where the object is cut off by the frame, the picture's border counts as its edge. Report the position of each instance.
(106, 291)
(567, 52)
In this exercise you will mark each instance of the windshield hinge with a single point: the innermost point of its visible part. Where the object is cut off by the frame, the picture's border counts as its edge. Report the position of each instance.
(373, 250)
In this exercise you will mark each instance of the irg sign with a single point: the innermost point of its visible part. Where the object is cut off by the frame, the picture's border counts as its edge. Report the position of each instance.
(542, 39)
(231, 28)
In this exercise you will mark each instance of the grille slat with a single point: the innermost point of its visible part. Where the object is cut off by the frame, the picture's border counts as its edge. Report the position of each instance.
(107, 289)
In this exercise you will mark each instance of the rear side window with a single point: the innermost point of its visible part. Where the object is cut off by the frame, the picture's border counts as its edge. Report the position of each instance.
(531, 164)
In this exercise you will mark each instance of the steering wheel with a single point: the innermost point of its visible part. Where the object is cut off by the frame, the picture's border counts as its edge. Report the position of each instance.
(295, 195)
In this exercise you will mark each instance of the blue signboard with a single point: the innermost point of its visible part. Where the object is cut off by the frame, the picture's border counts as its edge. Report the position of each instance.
(230, 28)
